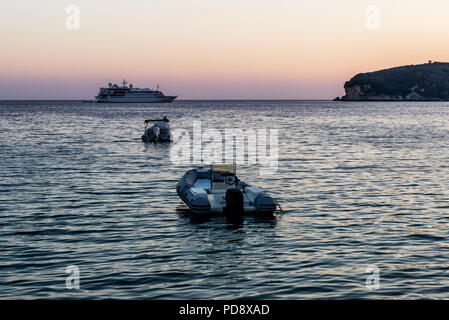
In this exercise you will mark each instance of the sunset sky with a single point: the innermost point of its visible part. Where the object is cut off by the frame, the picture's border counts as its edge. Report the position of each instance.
(212, 49)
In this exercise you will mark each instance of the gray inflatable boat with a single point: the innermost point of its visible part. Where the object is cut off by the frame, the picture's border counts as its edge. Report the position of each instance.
(159, 132)
(216, 189)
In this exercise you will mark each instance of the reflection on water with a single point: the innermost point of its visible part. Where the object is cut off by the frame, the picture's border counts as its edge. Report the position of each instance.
(361, 183)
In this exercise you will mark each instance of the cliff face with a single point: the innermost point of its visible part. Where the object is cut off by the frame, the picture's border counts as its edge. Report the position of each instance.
(426, 82)
(355, 93)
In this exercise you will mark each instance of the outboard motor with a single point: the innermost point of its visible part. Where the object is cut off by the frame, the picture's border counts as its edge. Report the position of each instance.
(156, 132)
(234, 204)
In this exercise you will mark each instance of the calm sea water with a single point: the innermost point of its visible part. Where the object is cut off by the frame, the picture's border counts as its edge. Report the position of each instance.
(361, 184)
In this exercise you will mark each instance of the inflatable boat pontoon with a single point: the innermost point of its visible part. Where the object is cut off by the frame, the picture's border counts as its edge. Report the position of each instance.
(216, 189)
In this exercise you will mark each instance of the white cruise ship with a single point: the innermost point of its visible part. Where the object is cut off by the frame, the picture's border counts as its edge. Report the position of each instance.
(124, 94)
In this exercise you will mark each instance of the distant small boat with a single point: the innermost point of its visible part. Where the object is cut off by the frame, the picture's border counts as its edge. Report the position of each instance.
(216, 189)
(159, 132)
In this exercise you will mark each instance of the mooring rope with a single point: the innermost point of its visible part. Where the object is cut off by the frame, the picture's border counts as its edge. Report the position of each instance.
(278, 205)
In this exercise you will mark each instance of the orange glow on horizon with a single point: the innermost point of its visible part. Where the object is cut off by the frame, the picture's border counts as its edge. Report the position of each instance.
(192, 43)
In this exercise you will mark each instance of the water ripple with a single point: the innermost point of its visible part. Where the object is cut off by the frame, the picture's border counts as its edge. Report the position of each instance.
(361, 184)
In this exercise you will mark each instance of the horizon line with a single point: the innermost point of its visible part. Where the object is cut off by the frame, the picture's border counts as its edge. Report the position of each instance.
(245, 99)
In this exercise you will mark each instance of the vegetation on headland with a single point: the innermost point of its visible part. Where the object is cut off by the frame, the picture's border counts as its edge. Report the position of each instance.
(424, 82)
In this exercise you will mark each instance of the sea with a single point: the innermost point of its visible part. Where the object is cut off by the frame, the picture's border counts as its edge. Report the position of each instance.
(89, 211)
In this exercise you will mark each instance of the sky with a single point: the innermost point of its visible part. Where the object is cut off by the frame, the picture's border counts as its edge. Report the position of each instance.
(212, 49)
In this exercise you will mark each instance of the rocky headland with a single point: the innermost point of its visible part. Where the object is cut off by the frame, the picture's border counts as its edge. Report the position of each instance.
(424, 82)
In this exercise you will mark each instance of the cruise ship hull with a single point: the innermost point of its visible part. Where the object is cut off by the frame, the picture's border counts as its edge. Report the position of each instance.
(111, 99)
